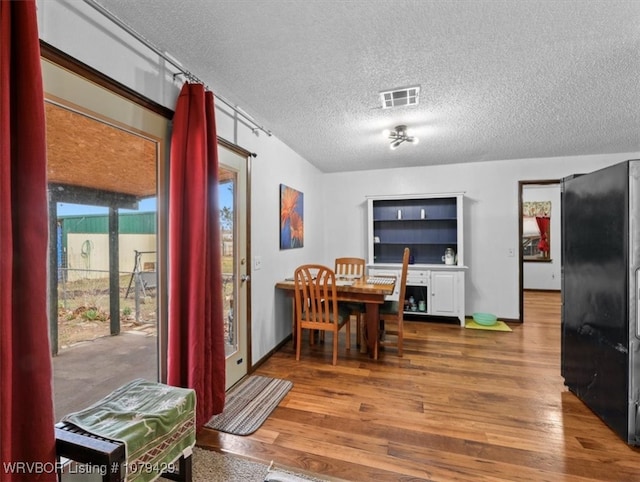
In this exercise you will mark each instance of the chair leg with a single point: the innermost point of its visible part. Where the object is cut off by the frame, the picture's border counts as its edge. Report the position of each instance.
(363, 335)
(400, 337)
(293, 322)
(349, 333)
(358, 330)
(375, 349)
(299, 340)
(335, 344)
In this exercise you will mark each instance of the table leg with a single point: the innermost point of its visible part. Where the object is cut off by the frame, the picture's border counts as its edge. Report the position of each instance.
(373, 320)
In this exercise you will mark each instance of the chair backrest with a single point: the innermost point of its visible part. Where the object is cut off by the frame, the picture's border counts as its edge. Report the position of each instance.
(350, 266)
(403, 282)
(315, 291)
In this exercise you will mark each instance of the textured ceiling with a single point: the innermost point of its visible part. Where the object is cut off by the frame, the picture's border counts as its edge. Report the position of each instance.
(500, 79)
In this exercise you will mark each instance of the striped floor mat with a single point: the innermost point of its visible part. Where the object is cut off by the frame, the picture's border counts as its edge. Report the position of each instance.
(249, 404)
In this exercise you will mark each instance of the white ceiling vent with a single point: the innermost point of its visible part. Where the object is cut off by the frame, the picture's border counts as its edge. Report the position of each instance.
(400, 97)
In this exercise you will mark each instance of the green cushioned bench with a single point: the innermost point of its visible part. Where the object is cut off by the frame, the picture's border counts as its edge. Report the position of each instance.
(139, 432)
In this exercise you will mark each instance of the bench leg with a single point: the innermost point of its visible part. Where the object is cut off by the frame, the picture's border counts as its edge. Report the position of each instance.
(185, 470)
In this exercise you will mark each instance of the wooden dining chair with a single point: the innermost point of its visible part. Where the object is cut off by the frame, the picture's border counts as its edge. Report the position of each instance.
(317, 305)
(392, 312)
(354, 267)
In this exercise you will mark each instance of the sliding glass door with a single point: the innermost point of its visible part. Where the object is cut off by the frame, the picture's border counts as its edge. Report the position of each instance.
(106, 216)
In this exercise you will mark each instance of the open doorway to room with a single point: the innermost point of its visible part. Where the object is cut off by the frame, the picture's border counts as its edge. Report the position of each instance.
(539, 212)
(106, 216)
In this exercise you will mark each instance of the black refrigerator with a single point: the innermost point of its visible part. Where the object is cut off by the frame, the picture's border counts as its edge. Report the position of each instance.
(600, 293)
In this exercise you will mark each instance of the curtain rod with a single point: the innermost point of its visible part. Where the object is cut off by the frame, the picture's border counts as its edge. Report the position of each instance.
(182, 71)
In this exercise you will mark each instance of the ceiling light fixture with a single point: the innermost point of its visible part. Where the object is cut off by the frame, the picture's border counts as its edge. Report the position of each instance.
(399, 135)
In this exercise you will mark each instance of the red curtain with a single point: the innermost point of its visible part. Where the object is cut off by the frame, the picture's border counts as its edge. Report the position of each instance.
(26, 400)
(543, 226)
(196, 357)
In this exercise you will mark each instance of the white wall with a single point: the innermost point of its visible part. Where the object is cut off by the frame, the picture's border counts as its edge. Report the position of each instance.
(277, 164)
(543, 275)
(80, 31)
(490, 220)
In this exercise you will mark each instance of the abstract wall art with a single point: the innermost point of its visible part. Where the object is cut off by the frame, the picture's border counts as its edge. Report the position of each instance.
(291, 218)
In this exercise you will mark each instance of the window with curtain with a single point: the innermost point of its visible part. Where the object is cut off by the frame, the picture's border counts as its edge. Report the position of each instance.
(536, 230)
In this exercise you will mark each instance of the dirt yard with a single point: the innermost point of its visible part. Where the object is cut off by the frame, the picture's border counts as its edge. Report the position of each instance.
(76, 330)
(83, 308)
(83, 311)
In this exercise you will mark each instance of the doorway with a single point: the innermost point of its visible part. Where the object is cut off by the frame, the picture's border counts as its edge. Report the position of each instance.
(538, 269)
(236, 270)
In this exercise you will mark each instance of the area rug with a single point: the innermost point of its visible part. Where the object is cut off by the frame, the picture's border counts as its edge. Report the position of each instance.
(498, 326)
(211, 466)
(249, 404)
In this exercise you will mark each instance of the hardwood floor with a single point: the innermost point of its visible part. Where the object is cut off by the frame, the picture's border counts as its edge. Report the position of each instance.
(461, 404)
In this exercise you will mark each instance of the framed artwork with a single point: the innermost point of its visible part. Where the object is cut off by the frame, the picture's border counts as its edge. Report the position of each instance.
(291, 218)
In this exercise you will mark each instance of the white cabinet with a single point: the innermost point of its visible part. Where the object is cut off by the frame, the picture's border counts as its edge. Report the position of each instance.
(427, 225)
(445, 289)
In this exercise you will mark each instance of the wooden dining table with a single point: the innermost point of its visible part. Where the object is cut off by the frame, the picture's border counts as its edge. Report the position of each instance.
(372, 295)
